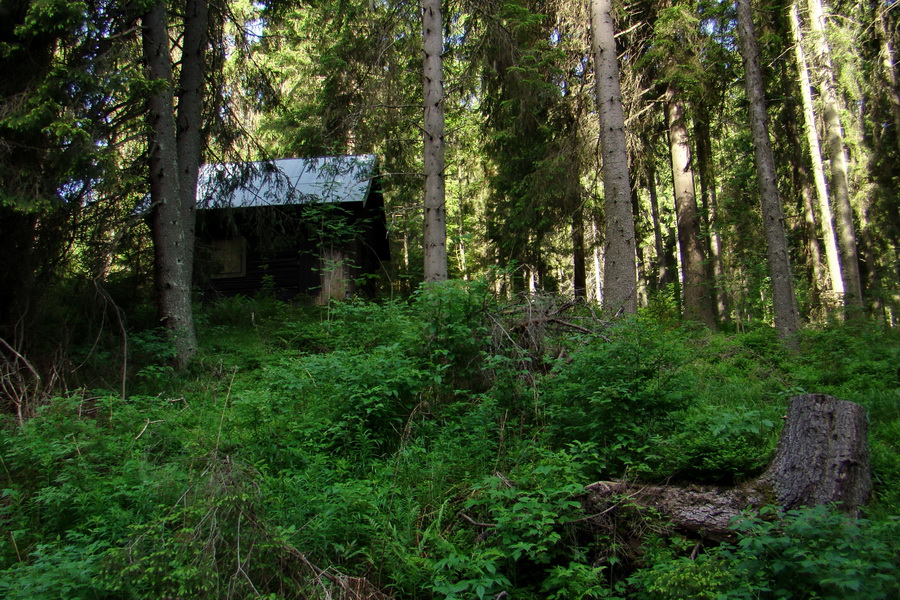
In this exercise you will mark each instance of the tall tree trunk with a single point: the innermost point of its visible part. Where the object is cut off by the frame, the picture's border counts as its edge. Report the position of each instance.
(819, 275)
(873, 280)
(695, 283)
(639, 251)
(578, 255)
(710, 205)
(189, 116)
(597, 260)
(435, 230)
(840, 182)
(890, 66)
(170, 222)
(815, 152)
(787, 319)
(666, 267)
(620, 276)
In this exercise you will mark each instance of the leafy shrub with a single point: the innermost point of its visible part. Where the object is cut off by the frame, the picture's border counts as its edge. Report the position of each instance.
(64, 569)
(846, 360)
(361, 326)
(815, 552)
(214, 542)
(351, 399)
(619, 390)
(722, 447)
(454, 313)
(531, 543)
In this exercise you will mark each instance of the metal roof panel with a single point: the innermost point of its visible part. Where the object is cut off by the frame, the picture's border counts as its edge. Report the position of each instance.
(330, 179)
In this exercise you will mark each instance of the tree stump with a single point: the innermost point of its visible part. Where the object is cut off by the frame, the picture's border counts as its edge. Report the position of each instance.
(822, 457)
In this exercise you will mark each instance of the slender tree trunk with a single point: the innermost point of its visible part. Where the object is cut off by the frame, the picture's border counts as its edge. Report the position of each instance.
(787, 320)
(578, 255)
(815, 152)
(189, 116)
(170, 222)
(840, 182)
(889, 64)
(873, 280)
(664, 266)
(695, 283)
(598, 260)
(435, 231)
(639, 251)
(819, 274)
(620, 277)
(710, 205)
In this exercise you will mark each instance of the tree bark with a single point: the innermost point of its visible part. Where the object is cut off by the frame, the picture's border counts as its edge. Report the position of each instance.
(579, 274)
(620, 276)
(823, 454)
(170, 222)
(840, 182)
(597, 260)
(815, 152)
(822, 457)
(641, 275)
(787, 319)
(889, 65)
(189, 115)
(659, 265)
(711, 206)
(435, 226)
(695, 283)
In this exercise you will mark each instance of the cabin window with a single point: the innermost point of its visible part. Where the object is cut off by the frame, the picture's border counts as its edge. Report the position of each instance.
(229, 258)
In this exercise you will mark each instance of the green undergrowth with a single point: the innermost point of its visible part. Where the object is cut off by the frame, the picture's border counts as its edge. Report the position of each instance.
(436, 447)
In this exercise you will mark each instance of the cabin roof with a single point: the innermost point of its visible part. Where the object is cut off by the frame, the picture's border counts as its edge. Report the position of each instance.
(329, 179)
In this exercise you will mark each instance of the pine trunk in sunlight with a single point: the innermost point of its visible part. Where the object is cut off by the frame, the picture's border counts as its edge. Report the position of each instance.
(815, 151)
(698, 306)
(620, 276)
(787, 318)
(435, 237)
(840, 179)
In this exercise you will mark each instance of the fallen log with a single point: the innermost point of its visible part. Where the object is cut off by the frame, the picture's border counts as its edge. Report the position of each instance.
(822, 457)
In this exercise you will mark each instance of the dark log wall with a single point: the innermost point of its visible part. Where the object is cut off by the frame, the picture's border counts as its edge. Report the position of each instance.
(282, 255)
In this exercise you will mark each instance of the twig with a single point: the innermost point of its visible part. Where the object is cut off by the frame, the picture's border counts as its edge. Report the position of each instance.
(472, 521)
(146, 425)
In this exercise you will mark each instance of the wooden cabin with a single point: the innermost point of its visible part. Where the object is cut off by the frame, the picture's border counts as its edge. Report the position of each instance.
(297, 228)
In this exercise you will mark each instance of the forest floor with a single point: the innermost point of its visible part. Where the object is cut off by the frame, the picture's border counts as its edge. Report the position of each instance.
(438, 448)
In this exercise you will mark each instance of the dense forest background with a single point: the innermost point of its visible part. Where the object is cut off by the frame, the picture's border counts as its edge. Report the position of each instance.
(524, 195)
(435, 442)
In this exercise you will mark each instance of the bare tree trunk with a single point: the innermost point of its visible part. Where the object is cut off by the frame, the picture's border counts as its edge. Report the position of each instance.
(889, 64)
(579, 277)
(787, 319)
(189, 116)
(657, 229)
(642, 299)
(597, 260)
(435, 231)
(620, 277)
(840, 182)
(819, 274)
(873, 280)
(666, 265)
(697, 304)
(710, 204)
(170, 223)
(815, 151)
